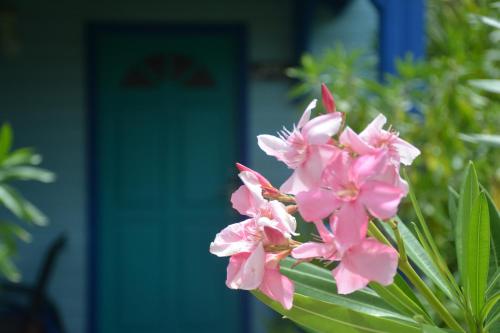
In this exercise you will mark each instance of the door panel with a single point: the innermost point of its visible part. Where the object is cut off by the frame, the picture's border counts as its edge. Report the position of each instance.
(166, 139)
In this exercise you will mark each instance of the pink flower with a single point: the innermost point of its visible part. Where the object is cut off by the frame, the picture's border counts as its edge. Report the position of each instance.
(241, 274)
(306, 149)
(269, 225)
(360, 263)
(351, 188)
(374, 138)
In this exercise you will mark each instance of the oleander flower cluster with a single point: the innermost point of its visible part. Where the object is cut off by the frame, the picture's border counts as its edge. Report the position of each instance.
(340, 181)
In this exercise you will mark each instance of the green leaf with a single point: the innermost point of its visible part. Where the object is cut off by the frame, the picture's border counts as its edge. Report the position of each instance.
(9, 198)
(452, 205)
(434, 329)
(493, 281)
(476, 254)
(486, 139)
(327, 317)
(490, 21)
(26, 173)
(5, 140)
(21, 207)
(421, 258)
(22, 156)
(7, 267)
(313, 281)
(431, 248)
(488, 85)
(494, 320)
(495, 242)
(468, 193)
(16, 230)
(400, 301)
(33, 214)
(492, 301)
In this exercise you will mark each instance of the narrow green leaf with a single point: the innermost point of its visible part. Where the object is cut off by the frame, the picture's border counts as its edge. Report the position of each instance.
(400, 301)
(26, 173)
(323, 317)
(495, 239)
(468, 193)
(316, 282)
(5, 140)
(7, 267)
(435, 329)
(21, 207)
(34, 215)
(421, 258)
(8, 198)
(452, 205)
(489, 85)
(485, 139)
(489, 306)
(431, 247)
(22, 156)
(490, 21)
(493, 323)
(476, 254)
(493, 281)
(313, 281)
(16, 230)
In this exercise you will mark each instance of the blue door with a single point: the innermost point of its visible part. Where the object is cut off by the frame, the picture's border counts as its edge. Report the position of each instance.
(165, 106)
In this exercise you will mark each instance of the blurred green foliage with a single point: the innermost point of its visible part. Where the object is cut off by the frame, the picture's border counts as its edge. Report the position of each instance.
(17, 165)
(432, 103)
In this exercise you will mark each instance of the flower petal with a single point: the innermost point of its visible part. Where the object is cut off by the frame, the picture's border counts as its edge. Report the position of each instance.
(349, 225)
(351, 140)
(373, 129)
(308, 175)
(278, 287)
(272, 145)
(246, 272)
(367, 166)
(324, 233)
(233, 239)
(316, 204)
(311, 250)
(407, 152)
(248, 199)
(321, 129)
(348, 281)
(307, 114)
(262, 180)
(286, 223)
(293, 184)
(372, 260)
(381, 199)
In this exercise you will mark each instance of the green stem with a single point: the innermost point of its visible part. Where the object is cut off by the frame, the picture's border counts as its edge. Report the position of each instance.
(376, 233)
(429, 295)
(399, 240)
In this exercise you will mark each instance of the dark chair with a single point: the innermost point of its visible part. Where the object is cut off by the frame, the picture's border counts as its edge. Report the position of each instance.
(28, 309)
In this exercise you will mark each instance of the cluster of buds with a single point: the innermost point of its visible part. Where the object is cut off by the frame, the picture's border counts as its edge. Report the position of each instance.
(340, 181)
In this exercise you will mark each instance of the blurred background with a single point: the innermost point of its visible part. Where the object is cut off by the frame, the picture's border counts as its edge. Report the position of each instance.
(141, 108)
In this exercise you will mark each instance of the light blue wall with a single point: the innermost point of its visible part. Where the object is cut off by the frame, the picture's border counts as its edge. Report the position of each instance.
(42, 93)
(355, 28)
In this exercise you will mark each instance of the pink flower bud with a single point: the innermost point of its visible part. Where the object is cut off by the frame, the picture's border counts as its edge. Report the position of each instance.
(327, 98)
